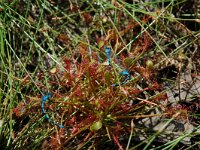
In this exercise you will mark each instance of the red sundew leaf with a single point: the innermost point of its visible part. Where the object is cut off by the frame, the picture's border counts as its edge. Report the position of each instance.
(195, 75)
(119, 16)
(83, 49)
(89, 120)
(87, 17)
(161, 96)
(118, 128)
(143, 44)
(135, 91)
(75, 129)
(147, 42)
(178, 107)
(125, 107)
(146, 73)
(83, 67)
(78, 92)
(102, 103)
(122, 109)
(67, 63)
(54, 144)
(63, 38)
(93, 69)
(145, 19)
(69, 79)
(129, 27)
(39, 76)
(93, 76)
(20, 109)
(16, 112)
(82, 123)
(139, 69)
(95, 56)
(57, 139)
(71, 121)
(155, 86)
(66, 85)
(111, 94)
(116, 140)
(61, 134)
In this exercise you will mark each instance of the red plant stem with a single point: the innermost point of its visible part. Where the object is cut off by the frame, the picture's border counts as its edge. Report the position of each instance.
(139, 116)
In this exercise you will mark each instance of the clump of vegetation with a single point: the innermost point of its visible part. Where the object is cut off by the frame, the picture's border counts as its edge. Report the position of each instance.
(107, 67)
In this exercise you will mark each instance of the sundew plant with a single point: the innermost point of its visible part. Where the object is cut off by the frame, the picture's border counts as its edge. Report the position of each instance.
(95, 74)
